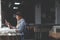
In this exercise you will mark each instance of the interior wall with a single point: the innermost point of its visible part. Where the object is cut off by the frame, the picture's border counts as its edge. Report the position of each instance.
(57, 20)
(38, 13)
(57, 13)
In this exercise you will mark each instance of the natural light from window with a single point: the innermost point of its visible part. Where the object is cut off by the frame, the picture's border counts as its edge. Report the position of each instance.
(0, 14)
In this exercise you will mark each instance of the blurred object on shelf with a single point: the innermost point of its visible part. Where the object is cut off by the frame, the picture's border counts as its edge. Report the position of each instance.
(55, 32)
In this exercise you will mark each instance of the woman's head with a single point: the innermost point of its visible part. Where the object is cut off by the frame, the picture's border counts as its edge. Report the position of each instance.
(19, 15)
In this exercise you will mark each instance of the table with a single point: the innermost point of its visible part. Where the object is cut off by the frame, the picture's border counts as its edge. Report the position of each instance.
(9, 34)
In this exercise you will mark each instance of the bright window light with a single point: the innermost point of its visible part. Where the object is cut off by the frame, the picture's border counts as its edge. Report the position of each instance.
(17, 3)
(0, 14)
(15, 7)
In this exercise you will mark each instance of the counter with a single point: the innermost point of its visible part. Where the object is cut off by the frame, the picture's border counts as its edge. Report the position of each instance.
(9, 34)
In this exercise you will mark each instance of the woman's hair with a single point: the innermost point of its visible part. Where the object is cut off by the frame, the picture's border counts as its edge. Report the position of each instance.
(19, 13)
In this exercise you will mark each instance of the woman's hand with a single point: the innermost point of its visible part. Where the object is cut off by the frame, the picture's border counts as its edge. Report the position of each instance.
(17, 30)
(8, 24)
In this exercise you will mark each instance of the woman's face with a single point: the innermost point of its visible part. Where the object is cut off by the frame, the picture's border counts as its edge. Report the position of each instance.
(18, 17)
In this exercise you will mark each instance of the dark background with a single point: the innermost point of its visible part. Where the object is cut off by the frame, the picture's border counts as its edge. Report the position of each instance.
(28, 8)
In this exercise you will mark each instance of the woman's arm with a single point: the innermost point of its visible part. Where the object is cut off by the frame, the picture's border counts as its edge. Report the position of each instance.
(9, 25)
